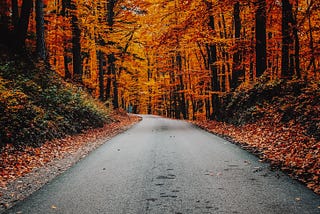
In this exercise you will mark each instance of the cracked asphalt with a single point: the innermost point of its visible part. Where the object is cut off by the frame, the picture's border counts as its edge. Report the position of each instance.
(169, 166)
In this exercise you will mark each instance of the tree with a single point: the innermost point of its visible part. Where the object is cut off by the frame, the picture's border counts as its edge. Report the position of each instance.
(212, 59)
(20, 32)
(15, 13)
(41, 47)
(261, 40)
(76, 45)
(69, 9)
(287, 18)
(237, 70)
(111, 74)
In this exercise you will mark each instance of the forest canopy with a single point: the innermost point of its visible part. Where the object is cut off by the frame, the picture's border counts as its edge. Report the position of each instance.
(176, 58)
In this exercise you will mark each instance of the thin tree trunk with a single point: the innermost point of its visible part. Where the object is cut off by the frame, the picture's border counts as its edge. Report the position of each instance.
(67, 73)
(111, 59)
(237, 71)
(22, 26)
(297, 52)
(76, 36)
(41, 46)
(286, 39)
(76, 48)
(115, 91)
(261, 41)
(311, 45)
(101, 76)
(181, 87)
(110, 75)
(212, 59)
(15, 13)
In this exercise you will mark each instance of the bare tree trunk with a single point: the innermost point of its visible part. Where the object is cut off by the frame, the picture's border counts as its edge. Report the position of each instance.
(111, 67)
(237, 70)
(76, 36)
(311, 44)
(286, 68)
(101, 76)
(261, 40)
(15, 13)
(76, 48)
(22, 26)
(115, 91)
(41, 46)
(212, 59)
(182, 101)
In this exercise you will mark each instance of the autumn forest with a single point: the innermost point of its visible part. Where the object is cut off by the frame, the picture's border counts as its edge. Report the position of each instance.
(173, 58)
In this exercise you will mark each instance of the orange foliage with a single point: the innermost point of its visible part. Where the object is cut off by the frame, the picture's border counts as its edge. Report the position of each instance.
(162, 49)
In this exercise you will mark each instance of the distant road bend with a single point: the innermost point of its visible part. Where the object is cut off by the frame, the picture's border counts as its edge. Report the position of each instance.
(169, 166)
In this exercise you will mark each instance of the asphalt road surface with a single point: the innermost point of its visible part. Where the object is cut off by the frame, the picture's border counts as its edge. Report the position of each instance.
(169, 166)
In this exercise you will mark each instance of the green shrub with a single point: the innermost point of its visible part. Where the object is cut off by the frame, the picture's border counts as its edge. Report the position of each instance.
(36, 105)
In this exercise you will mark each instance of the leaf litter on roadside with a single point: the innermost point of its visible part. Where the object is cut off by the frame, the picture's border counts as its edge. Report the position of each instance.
(16, 163)
(288, 148)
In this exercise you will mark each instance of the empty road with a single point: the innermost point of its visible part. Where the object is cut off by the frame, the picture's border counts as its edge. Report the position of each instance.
(169, 166)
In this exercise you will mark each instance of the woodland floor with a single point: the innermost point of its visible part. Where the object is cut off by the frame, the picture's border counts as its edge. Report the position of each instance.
(285, 147)
(24, 172)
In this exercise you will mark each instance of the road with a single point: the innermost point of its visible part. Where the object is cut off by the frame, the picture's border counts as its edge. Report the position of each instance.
(169, 166)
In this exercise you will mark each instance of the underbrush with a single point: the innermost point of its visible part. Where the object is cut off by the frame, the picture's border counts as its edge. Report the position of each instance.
(290, 103)
(37, 105)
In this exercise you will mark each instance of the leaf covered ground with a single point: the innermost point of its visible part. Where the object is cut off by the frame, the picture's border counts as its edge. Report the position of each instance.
(280, 122)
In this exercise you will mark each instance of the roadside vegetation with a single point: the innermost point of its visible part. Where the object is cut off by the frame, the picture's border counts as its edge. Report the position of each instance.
(36, 105)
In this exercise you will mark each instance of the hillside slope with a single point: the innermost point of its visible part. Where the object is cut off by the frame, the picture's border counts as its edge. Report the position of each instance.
(290, 103)
(37, 105)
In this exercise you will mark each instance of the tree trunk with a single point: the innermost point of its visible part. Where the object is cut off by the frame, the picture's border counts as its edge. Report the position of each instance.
(261, 40)
(76, 36)
(41, 46)
(22, 26)
(67, 73)
(101, 76)
(111, 68)
(286, 68)
(297, 52)
(115, 101)
(111, 59)
(237, 71)
(110, 9)
(311, 44)
(215, 87)
(182, 101)
(76, 48)
(15, 13)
